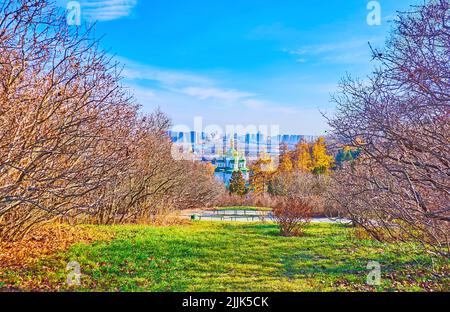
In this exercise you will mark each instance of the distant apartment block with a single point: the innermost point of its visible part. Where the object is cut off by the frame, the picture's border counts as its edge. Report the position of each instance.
(208, 146)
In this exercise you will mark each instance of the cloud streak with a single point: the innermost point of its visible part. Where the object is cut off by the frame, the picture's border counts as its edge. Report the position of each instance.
(106, 10)
(222, 94)
(196, 86)
(350, 51)
(165, 77)
(184, 95)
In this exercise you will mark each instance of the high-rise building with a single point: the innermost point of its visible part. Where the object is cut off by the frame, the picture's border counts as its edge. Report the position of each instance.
(208, 146)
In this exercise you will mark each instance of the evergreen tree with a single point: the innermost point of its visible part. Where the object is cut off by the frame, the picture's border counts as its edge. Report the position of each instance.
(238, 184)
(346, 154)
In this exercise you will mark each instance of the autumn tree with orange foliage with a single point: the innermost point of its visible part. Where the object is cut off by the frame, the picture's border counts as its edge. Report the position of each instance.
(302, 156)
(261, 173)
(285, 160)
(306, 158)
(321, 161)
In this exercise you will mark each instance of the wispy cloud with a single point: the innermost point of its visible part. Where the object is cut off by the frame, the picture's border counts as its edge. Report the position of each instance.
(329, 47)
(349, 51)
(254, 103)
(166, 77)
(222, 94)
(193, 85)
(300, 60)
(276, 31)
(185, 94)
(106, 10)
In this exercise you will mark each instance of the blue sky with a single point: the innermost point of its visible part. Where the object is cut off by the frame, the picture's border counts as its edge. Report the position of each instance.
(240, 61)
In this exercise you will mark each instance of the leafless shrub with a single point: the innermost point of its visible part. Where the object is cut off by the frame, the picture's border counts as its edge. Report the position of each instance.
(292, 215)
(73, 144)
(399, 186)
(250, 200)
(303, 186)
(62, 111)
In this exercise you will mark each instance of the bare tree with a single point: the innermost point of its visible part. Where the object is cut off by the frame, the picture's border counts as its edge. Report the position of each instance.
(73, 144)
(399, 187)
(61, 107)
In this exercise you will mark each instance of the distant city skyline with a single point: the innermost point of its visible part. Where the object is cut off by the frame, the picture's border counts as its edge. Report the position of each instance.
(209, 145)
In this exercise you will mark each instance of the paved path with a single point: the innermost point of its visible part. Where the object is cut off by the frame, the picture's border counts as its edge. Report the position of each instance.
(244, 216)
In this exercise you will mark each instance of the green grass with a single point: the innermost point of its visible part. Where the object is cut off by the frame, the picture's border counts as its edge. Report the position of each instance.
(221, 256)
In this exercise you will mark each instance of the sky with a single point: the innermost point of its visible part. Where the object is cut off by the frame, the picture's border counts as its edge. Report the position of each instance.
(241, 62)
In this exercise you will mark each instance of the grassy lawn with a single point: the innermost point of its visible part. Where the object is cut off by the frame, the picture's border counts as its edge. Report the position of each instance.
(221, 256)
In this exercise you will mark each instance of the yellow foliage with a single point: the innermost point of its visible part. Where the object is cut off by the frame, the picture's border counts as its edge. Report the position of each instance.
(303, 156)
(261, 173)
(210, 168)
(285, 161)
(321, 161)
